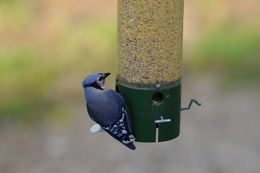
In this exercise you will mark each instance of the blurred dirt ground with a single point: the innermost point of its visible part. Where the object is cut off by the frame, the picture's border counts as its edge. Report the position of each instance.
(222, 136)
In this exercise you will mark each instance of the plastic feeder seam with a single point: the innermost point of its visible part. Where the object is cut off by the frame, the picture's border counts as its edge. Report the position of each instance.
(150, 35)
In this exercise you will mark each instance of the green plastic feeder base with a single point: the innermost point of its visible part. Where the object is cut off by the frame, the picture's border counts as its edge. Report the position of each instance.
(155, 109)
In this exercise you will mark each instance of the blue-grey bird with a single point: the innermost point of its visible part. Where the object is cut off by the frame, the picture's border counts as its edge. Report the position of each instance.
(108, 109)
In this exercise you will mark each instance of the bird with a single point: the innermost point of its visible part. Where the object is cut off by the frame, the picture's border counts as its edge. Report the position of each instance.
(108, 109)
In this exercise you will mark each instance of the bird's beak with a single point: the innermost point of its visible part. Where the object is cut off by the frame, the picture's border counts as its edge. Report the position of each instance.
(106, 75)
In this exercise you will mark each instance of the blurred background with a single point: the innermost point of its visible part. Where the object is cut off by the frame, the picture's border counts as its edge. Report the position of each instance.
(48, 46)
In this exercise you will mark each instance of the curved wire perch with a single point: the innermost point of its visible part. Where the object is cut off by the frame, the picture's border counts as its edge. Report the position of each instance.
(190, 104)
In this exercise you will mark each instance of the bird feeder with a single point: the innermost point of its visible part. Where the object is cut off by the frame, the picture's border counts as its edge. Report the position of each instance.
(150, 34)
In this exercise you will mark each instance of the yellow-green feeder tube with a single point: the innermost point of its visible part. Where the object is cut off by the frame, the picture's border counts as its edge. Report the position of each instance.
(150, 34)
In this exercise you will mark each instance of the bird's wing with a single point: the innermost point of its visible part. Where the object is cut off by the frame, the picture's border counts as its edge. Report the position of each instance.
(90, 112)
(104, 107)
(110, 111)
(125, 110)
(119, 131)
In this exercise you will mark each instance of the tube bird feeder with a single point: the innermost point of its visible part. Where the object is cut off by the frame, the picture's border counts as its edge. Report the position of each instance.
(150, 34)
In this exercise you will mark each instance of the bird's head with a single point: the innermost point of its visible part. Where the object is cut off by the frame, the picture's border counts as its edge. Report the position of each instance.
(96, 80)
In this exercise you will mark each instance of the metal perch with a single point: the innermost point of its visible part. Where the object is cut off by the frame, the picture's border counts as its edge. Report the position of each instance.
(190, 104)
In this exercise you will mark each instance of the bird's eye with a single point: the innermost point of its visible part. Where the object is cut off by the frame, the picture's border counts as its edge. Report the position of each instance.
(100, 79)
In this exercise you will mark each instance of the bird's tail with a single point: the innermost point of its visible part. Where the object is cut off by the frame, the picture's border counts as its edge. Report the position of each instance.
(130, 145)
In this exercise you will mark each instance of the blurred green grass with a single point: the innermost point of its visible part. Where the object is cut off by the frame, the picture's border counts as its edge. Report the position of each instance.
(41, 73)
(47, 48)
(231, 51)
(29, 72)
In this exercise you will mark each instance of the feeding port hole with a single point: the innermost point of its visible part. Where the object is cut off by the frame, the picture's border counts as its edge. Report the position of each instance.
(157, 98)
